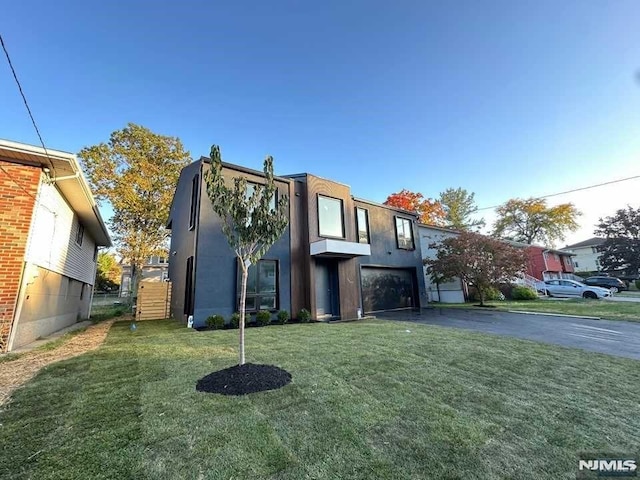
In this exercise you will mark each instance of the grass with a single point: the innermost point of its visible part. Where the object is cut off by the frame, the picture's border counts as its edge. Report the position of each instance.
(106, 312)
(629, 311)
(372, 399)
(45, 347)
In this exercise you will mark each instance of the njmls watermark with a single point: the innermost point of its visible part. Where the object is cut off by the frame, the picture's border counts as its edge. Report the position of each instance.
(603, 465)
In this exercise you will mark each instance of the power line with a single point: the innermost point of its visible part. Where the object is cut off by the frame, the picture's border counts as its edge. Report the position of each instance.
(568, 191)
(26, 104)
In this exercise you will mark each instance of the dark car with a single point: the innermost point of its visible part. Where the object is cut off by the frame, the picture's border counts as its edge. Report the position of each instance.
(612, 283)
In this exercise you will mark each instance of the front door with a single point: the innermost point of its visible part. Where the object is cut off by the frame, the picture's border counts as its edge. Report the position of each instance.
(326, 289)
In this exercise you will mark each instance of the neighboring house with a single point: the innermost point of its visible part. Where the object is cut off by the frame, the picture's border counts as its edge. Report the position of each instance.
(340, 256)
(548, 263)
(446, 292)
(587, 257)
(50, 230)
(155, 269)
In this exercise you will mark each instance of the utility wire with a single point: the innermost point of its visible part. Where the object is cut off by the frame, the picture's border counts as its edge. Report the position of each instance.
(568, 191)
(26, 104)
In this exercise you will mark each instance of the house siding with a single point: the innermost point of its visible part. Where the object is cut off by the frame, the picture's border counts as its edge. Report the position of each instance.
(445, 292)
(53, 246)
(18, 190)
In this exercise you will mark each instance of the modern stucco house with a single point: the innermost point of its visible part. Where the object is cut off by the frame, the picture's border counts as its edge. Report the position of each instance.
(340, 256)
(50, 230)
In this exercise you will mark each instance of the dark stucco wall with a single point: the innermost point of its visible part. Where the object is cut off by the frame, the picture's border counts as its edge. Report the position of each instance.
(216, 265)
(182, 239)
(384, 248)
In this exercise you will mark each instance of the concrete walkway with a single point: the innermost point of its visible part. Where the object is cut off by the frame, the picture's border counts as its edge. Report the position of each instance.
(612, 337)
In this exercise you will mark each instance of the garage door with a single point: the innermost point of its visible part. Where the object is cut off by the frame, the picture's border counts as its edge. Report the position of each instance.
(387, 288)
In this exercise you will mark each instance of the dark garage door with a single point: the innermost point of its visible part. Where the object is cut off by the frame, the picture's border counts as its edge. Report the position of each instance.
(387, 288)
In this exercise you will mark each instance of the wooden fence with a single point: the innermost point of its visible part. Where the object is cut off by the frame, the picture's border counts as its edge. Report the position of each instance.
(154, 301)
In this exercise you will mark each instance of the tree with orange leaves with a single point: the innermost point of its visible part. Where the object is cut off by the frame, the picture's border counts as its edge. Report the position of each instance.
(530, 220)
(429, 210)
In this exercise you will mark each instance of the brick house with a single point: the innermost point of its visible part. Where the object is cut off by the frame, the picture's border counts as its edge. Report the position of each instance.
(50, 229)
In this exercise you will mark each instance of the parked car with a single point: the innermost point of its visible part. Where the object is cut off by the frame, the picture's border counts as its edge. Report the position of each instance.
(612, 283)
(571, 288)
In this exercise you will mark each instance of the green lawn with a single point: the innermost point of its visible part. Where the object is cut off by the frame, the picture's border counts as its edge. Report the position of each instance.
(629, 311)
(370, 400)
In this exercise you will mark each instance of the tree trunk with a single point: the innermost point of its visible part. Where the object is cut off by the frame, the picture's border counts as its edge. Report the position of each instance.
(243, 295)
(481, 293)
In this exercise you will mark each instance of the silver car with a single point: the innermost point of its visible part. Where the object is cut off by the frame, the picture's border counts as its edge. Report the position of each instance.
(571, 288)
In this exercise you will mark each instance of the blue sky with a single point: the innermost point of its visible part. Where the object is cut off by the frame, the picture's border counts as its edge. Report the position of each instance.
(504, 99)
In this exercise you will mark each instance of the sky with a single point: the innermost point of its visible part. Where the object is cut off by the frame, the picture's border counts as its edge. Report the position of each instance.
(505, 99)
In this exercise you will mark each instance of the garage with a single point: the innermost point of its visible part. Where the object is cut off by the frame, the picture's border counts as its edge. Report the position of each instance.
(388, 288)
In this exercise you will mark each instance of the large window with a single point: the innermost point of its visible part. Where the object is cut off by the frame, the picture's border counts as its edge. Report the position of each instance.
(193, 215)
(251, 188)
(330, 221)
(262, 286)
(362, 217)
(404, 233)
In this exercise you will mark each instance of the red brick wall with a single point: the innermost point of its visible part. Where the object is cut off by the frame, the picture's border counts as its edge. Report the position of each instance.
(16, 210)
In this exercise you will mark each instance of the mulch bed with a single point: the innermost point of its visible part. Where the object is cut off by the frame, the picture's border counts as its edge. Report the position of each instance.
(243, 379)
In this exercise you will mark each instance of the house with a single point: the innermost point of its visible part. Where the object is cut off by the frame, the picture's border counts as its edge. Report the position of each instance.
(155, 269)
(548, 263)
(446, 292)
(50, 231)
(340, 256)
(587, 256)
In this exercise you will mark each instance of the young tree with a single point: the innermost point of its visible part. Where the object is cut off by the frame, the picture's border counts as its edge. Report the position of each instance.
(429, 210)
(478, 260)
(459, 205)
(108, 272)
(621, 248)
(530, 219)
(250, 221)
(136, 172)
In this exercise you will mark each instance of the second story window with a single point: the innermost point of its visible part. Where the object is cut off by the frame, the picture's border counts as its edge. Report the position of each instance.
(404, 233)
(193, 215)
(330, 221)
(362, 218)
(79, 234)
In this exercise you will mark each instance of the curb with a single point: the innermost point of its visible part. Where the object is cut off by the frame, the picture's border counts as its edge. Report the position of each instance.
(549, 314)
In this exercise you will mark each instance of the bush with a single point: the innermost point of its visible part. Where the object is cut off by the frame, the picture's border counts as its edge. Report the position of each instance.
(282, 317)
(215, 321)
(235, 319)
(489, 295)
(304, 315)
(521, 292)
(263, 317)
(637, 282)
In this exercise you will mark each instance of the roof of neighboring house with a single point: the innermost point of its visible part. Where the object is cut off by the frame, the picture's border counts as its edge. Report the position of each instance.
(544, 249)
(64, 170)
(436, 227)
(592, 242)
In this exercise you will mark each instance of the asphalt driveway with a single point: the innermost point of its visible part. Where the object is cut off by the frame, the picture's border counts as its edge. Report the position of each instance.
(603, 336)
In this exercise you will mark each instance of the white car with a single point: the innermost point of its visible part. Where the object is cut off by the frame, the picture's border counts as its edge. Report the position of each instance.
(571, 288)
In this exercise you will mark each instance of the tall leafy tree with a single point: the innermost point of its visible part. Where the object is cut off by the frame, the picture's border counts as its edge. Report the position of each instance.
(478, 260)
(136, 172)
(459, 206)
(108, 272)
(429, 210)
(250, 220)
(621, 248)
(530, 220)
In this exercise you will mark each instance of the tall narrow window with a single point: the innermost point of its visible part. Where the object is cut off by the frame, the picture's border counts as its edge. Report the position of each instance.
(362, 217)
(404, 233)
(195, 187)
(189, 285)
(262, 286)
(79, 234)
(330, 221)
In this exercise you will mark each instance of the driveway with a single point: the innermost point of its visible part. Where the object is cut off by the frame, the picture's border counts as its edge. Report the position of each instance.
(603, 336)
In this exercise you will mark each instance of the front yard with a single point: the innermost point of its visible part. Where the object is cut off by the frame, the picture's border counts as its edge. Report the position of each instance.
(606, 309)
(372, 399)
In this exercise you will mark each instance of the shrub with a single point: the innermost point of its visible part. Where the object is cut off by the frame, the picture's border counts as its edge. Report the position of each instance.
(235, 319)
(263, 317)
(490, 294)
(215, 321)
(521, 292)
(304, 315)
(637, 282)
(282, 317)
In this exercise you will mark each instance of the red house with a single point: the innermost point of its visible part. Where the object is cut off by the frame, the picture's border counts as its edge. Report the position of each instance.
(548, 263)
